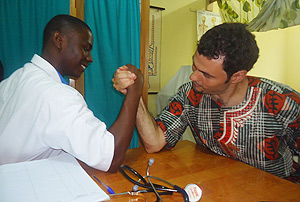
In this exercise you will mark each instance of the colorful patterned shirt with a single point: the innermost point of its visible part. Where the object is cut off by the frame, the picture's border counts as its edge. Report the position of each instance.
(262, 131)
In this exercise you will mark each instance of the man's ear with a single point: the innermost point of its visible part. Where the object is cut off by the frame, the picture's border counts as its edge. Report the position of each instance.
(238, 76)
(57, 40)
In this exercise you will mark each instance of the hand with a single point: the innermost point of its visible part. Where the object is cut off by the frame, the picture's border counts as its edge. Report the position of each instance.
(137, 87)
(123, 78)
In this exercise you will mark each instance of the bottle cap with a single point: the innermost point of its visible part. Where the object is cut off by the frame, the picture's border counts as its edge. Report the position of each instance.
(194, 192)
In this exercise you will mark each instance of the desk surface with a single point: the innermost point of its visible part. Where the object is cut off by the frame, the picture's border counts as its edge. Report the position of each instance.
(220, 178)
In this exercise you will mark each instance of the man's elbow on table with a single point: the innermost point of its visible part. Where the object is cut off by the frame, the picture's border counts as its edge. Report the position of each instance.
(116, 163)
(154, 146)
(113, 169)
(153, 141)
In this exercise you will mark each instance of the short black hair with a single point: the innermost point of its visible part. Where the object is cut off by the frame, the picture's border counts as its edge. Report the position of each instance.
(234, 42)
(63, 24)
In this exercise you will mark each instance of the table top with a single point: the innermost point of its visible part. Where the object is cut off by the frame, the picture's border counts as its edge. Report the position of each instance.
(220, 178)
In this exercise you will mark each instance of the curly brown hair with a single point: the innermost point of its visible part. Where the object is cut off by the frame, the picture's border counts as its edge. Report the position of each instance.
(234, 42)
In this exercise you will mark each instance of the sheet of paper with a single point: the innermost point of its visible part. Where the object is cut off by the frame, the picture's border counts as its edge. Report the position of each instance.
(56, 179)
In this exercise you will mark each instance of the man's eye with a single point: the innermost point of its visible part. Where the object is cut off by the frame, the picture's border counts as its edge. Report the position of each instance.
(207, 75)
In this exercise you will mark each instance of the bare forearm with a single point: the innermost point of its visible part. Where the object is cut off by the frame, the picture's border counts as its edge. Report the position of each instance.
(151, 134)
(123, 129)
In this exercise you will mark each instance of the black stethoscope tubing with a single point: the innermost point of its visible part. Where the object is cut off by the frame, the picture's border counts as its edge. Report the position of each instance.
(146, 185)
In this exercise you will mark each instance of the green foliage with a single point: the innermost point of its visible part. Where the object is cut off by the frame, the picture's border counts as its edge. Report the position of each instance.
(295, 5)
(259, 3)
(246, 7)
(289, 16)
(278, 13)
(283, 24)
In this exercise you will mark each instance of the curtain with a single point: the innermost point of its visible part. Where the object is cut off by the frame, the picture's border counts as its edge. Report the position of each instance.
(1, 71)
(261, 15)
(116, 29)
(21, 29)
(276, 14)
(239, 10)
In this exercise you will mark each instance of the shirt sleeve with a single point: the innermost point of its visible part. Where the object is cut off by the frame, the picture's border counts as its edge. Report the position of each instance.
(72, 127)
(286, 108)
(293, 110)
(173, 120)
(293, 133)
(288, 113)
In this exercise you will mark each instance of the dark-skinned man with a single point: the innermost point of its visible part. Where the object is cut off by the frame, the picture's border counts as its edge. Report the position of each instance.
(41, 116)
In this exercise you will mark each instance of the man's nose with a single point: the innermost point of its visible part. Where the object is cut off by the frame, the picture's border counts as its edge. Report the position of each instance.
(89, 58)
(195, 76)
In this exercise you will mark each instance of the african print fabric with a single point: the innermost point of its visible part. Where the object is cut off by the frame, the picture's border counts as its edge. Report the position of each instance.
(262, 131)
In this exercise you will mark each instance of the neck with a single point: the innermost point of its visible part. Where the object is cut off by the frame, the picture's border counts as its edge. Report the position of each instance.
(234, 95)
(53, 60)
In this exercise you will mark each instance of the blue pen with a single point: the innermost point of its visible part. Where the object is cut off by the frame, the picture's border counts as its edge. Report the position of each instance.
(107, 187)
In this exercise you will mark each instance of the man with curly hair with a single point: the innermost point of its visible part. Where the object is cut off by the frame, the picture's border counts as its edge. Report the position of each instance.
(250, 119)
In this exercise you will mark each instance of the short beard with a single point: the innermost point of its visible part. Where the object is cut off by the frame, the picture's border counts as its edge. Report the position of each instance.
(197, 91)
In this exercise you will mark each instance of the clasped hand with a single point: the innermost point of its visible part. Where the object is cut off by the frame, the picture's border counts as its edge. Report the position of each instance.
(127, 76)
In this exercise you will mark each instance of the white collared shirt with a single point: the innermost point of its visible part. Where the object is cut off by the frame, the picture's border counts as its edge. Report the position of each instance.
(41, 117)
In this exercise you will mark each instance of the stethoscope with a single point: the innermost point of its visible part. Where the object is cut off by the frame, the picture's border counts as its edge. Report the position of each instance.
(150, 187)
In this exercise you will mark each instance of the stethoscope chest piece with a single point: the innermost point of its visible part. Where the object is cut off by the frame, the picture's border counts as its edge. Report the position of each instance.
(194, 192)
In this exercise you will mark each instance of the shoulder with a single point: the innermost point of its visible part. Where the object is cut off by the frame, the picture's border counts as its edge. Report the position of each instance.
(37, 83)
(61, 93)
(270, 87)
(268, 84)
(277, 98)
(188, 94)
(186, 87)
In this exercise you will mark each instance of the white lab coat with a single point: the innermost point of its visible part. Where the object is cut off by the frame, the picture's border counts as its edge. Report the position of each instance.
(41, 117)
